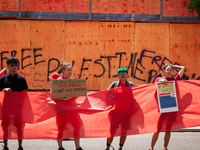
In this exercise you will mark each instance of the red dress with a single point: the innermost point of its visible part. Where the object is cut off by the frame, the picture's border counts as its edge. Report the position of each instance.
(166, 120)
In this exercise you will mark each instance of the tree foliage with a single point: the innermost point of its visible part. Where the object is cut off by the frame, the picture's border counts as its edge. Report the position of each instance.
(194, 5)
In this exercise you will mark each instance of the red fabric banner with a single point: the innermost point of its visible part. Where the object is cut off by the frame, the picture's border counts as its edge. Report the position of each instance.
(2, 72)
(114, 112)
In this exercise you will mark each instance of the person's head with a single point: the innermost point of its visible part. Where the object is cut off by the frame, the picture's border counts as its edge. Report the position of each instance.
(168, 70)
(122, 74)
(12, 64)
(66, 68)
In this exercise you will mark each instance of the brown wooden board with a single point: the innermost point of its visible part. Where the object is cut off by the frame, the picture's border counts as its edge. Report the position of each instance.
(90, 46)
(117, 44)
(9, 5)
(126, 6)
(152, 46)
(83, 47)
(15, 40)
(48, 43)
(55, 5)
(176, 8)
(74, 87)
(185, 47)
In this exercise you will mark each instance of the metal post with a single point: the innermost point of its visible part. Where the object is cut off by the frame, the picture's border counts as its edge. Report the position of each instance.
(90, 11)
(19, 9)
(161, 10)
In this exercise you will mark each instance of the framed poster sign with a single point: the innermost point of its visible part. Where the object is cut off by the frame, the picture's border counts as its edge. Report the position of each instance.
(167, 98)
(74, 87)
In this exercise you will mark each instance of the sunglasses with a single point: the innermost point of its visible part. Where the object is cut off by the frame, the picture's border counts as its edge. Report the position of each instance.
(124, 73)
(14, 64)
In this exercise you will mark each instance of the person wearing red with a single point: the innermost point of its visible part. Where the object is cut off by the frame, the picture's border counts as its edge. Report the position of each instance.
(168, 71)
(122, 82)
(64, 117)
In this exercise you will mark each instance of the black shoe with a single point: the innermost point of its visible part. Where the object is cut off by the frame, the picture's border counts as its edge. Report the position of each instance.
(79, 148)
(5, 148)
(61, 148)
(20, 148)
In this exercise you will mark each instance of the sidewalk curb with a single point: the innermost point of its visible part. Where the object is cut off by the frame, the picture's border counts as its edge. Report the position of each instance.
(187, 130)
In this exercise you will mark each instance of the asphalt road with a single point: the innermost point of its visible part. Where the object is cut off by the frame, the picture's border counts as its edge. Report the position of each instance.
(179, 141)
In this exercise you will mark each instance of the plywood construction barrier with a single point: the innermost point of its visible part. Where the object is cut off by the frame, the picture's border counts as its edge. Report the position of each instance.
(97, 49)
(148, 10)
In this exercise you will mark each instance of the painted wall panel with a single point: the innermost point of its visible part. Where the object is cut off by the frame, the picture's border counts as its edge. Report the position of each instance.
(47, 43)
(83, 47)
(98, 49)
(15, 40)
(126, 6)
(117, 39)
(9, 5)
(185, 47)
(55, 5)
(152, 44)
(176, 8)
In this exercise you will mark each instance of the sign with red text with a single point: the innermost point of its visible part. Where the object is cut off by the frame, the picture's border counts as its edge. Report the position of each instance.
(167, 99)
(74, 87)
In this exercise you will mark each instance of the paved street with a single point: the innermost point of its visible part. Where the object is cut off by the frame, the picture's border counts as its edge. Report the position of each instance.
(179, 141)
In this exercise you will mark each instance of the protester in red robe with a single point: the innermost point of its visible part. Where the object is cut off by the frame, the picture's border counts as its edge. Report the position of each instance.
(122, 75)
(169, 117)
(65, 117)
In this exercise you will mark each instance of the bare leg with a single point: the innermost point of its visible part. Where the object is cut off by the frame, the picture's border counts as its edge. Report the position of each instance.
(20, 134)
(5, 143)
(166, 139)
(154, 139)
(20, 142)
(77, 142)
(59, 141)
(109, 140)
(122, 140)
(5, 136)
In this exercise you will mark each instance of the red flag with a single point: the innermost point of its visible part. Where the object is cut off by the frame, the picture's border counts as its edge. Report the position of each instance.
(2, 72)
(114, 112)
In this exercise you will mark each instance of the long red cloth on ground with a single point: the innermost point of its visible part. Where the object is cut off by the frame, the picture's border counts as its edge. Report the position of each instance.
(114, 112)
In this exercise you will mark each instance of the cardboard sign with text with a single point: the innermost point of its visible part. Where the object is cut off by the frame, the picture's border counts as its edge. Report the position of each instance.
(167, 98)
(74, 87)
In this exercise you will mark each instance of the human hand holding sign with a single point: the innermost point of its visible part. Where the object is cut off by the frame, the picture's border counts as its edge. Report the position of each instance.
(9, 90)
(65, 98)
(163, 81)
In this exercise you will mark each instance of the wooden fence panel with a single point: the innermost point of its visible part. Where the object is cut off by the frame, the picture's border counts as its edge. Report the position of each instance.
(48, 45)
(176, 8)
(98, 49)
(15, 41)
(117, 40)
(9, 5)
(55, 5)
(152, 45)
(126, 6)
(83, 47)
(185, 47)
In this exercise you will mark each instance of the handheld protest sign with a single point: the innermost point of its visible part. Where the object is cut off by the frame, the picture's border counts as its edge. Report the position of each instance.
(167, 98)
(74, 87)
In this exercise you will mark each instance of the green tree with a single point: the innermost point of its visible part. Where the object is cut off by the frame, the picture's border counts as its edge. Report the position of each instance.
(194, 5)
